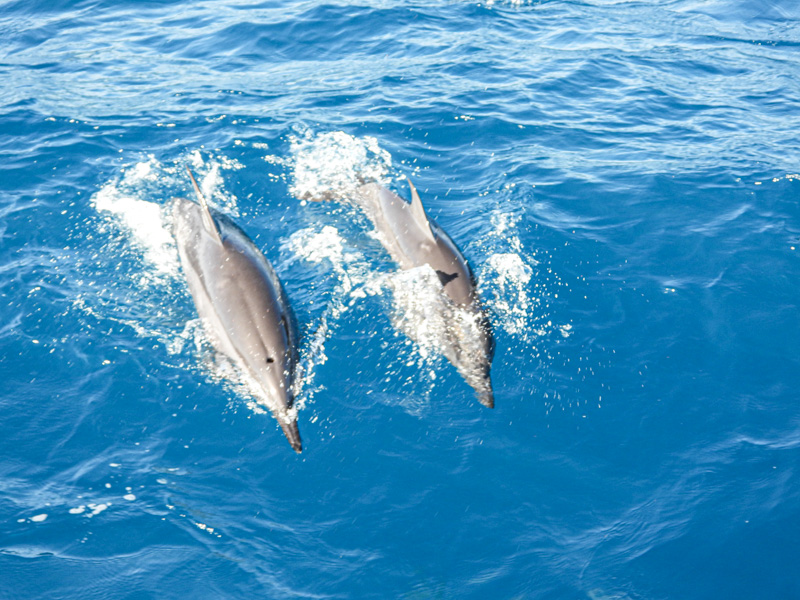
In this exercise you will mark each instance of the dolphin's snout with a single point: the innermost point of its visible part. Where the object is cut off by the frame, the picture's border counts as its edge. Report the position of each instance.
(486, 397)
(292, 434)
(484, 391)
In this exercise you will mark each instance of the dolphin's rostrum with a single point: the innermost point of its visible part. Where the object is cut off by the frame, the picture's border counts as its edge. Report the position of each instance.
(241, 303)
(414, 240)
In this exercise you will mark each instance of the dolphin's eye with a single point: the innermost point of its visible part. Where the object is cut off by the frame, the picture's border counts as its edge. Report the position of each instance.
(270, 360)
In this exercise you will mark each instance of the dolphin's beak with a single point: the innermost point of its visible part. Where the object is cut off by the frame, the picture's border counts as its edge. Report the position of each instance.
(486, 397)
(485, 392)
(292, 434)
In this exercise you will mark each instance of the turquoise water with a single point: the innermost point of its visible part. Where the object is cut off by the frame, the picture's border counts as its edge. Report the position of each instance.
(623, 179)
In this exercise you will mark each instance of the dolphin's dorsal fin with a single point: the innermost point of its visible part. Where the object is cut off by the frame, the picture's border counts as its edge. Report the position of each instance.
(418, 212)
(208, 221)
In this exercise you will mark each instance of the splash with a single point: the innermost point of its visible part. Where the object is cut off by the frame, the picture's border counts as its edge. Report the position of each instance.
(328, 246)
(506, 280)
(511, 300)
(421, 311)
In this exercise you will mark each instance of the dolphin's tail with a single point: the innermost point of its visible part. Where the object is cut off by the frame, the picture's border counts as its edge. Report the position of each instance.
(292, 433)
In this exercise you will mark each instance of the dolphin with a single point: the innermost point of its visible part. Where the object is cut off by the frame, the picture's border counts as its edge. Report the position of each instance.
(241, 302)
(413, 240)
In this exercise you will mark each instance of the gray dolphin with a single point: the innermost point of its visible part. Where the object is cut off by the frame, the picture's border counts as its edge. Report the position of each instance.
(241, 303)
(414, 240)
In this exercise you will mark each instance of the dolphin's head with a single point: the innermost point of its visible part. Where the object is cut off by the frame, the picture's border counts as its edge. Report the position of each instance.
(275, 378)
(281, 402)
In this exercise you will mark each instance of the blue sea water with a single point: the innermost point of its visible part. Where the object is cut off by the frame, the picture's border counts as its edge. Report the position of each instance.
(622, 177)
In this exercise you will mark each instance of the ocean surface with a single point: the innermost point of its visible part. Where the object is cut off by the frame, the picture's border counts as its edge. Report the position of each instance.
(622, 177)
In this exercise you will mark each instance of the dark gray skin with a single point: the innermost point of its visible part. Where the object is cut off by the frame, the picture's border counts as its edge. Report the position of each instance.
(241, 303)
(414, 240)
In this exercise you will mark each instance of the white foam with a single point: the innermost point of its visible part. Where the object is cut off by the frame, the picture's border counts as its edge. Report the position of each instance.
(97, 508)
(335, 162)
(145, 222)
(39, 518)
(317, 246)
(328, 246)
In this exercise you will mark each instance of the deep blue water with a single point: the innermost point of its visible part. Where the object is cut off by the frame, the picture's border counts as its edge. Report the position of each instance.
(621, 175)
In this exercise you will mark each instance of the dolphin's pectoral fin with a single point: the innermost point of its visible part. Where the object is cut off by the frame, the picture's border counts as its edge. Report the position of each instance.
(286, 333)
(446, 278)
(208, 220)
(418, 212)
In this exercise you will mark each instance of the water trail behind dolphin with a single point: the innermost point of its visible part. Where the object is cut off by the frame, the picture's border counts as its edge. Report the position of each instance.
(335, 166)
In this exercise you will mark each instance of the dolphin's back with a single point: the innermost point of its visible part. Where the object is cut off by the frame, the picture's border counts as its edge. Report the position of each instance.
(413, 240)
(242, 304)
